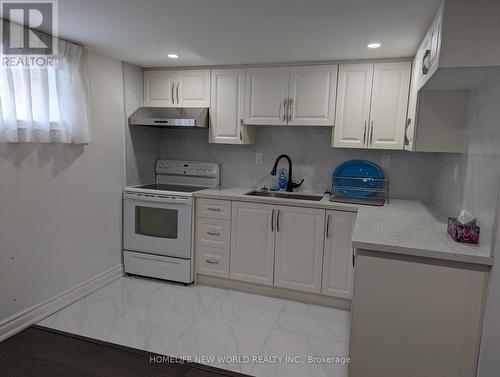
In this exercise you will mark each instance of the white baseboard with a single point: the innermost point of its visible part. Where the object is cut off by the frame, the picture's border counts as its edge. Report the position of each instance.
(36, 313)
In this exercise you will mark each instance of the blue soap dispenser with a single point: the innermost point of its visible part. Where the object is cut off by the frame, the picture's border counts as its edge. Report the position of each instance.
(282, 180)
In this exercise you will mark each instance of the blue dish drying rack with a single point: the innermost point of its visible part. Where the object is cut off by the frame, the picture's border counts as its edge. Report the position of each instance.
(360, 190)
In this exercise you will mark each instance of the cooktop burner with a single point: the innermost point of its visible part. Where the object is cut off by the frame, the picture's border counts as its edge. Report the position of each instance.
(167, 187)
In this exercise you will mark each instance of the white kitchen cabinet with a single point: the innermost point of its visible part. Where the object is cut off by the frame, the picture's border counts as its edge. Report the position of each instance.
(311, 99)
(299, 248)
(284, 246)
(159, 88)
(437, 118)
(294, 96)
(179, 88)
(252, 242)
(194, 88)
(408, 310)
(266, 95)
(429, 50)
(353, 105)
(391, 82)
(412, 101)
(435, 40)
(212, 261)
(371, 105)
(227, 108)
(213, 232)
(338, 266)
(213, 208)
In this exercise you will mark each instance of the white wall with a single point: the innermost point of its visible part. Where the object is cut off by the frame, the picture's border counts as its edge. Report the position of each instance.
(477, 190)
(478, 178)
(60, 205)
(141, 148)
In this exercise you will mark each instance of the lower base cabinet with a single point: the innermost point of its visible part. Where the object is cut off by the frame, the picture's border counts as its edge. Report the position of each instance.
(415, 317)
(338, 261)
(212, 261)
(252, 243)
(299, 248)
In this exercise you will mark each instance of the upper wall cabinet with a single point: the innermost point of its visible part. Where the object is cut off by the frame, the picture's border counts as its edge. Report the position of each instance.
(439, 96)
(159, 88)
(266, 95)
(428, 52)
(353, 105)
(371, 105)
(312, 92)
(460, 47)
(391, 84)
(182, 88)
(226, 111)
(295, 96)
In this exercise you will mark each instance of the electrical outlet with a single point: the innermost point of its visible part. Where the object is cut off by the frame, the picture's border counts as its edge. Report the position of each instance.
(386, 161)
(259, 158)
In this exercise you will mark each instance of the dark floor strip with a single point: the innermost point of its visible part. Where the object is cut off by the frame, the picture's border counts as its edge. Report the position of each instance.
(40, 352)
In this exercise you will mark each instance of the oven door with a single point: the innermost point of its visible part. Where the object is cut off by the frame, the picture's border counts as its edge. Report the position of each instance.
(158, 225)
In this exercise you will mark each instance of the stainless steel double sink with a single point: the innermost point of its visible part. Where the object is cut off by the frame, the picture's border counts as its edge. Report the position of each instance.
(285, 195)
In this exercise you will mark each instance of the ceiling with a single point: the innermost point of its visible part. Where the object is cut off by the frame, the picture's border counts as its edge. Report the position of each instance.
(223, 32)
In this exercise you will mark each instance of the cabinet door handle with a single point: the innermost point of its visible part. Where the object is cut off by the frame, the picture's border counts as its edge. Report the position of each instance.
(177, 93)
(272, 221)
(214, 209)
(353, 258)
(328, 226)
(213, 234)
(407, 127)
(172, 92)
(364, 135)
(285, 108)
(212, 261)
(278, 222)
(290, 109)
(371, 135)
(425, 68)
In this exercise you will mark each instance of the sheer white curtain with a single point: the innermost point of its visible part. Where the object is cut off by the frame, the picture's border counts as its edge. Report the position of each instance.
(46, 105)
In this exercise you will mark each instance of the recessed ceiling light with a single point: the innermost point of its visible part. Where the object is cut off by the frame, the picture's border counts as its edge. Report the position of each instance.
(374, 45)
(173, 56)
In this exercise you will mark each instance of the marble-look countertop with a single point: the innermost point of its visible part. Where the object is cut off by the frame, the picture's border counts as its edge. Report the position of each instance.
(413, 228)
(402, 226)
(238, 193)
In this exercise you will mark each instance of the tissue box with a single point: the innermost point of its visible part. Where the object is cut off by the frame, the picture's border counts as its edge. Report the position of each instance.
(463, 233)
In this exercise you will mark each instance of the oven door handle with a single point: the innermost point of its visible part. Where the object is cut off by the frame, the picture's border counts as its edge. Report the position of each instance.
(156, 199)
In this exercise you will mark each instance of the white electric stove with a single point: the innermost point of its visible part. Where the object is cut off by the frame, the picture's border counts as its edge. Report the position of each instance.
(158, 220)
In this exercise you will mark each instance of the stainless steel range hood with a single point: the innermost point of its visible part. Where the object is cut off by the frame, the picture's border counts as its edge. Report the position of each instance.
(185, 117)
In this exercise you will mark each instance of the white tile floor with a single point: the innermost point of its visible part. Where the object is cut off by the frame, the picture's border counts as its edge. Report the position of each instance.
(201, 321)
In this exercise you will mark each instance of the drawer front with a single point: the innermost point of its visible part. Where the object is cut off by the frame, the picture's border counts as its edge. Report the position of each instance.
(213, 233)
(214, 209)
(158, 266)
(212, 261)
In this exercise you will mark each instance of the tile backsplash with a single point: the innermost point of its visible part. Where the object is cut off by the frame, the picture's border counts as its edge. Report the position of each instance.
(313, 159)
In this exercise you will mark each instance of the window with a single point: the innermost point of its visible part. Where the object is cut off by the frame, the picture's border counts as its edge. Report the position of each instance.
(48, 104)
